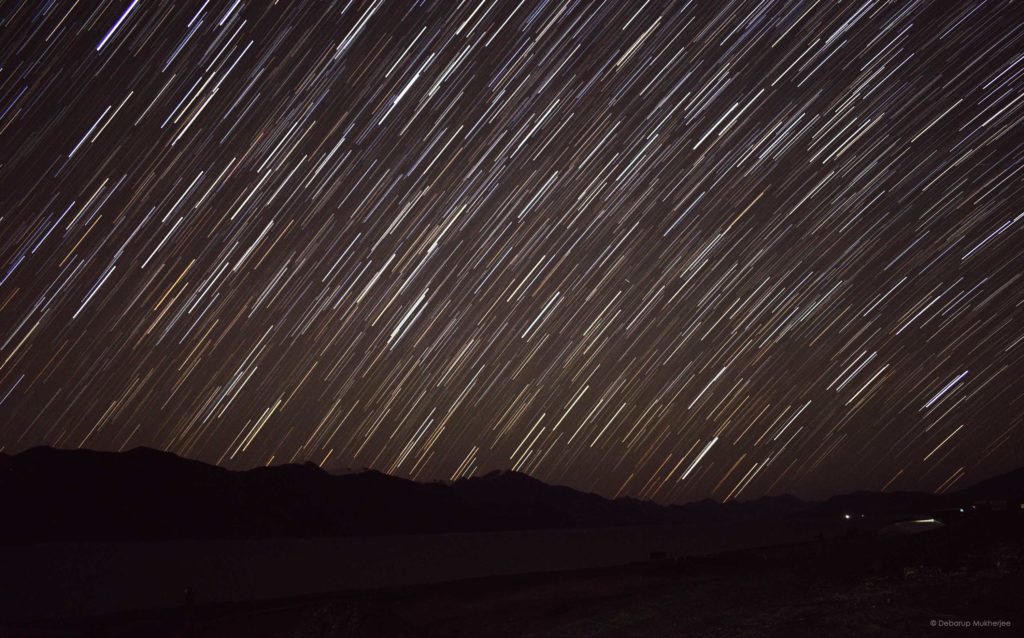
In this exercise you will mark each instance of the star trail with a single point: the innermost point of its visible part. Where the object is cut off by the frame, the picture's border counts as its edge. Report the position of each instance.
(669, 250)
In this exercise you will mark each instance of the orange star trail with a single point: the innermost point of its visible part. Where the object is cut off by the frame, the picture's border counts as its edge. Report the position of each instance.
(669, 250)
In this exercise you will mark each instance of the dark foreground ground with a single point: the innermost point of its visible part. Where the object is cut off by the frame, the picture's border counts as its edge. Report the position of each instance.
(860, 585)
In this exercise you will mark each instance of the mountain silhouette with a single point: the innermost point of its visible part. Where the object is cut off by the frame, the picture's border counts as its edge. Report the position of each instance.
(49, 494)
(1005, 487)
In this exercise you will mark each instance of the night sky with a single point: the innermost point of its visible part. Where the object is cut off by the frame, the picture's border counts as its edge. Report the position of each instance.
(669, 250)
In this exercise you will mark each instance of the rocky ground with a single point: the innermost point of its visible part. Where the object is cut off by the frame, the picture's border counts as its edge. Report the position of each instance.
(860, 585)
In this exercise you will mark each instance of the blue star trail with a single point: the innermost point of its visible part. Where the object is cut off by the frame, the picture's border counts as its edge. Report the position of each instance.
(669, 250)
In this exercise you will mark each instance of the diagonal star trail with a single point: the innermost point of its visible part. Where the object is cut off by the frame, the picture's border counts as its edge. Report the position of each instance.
(665, 249)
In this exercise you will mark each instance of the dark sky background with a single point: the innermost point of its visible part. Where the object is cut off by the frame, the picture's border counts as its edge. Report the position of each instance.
(662, 249)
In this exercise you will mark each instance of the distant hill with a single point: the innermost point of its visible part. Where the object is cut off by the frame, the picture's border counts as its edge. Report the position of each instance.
(1005, 486)
(48, 495)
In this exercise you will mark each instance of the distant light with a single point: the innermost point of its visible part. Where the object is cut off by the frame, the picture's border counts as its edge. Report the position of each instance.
(961, 510)
(925, 520)
(846, 516)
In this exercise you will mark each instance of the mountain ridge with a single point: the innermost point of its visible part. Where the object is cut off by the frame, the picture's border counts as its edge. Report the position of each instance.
(51, 494)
